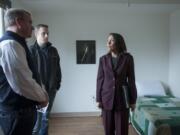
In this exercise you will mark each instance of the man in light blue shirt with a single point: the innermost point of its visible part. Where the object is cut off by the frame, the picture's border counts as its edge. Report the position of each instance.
(20, 92)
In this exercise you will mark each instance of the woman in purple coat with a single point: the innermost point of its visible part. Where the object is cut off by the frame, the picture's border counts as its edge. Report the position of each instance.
(116, 69)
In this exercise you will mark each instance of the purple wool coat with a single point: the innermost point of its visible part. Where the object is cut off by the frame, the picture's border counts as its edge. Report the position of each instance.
(109, 81)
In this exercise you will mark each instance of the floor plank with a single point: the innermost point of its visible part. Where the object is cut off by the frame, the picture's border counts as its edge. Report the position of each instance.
(79, 126)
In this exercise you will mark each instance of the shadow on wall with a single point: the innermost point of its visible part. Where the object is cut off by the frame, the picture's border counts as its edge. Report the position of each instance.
(167, 89)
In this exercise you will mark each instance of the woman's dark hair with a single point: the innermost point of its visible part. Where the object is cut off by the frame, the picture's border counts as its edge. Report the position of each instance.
(119, 42)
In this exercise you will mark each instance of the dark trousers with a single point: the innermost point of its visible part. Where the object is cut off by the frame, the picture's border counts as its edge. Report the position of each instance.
(115, 122)
(18, 122)
(42, 122)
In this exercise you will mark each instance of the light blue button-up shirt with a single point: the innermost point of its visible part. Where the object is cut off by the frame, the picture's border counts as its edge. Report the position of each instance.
(19, 76)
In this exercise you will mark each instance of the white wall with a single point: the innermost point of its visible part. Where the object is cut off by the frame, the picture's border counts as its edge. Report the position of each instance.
(146, 35)
(1, 23)
(174, 64)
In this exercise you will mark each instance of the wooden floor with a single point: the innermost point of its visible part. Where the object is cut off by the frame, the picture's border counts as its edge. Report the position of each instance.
(79, 126)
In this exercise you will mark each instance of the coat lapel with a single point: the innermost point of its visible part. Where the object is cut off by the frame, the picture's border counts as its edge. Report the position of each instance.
(121, 61)
(109, 63)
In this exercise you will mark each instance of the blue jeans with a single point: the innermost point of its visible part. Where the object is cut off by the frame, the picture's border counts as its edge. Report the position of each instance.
(41, 126)
(42, 122)
(18, 122)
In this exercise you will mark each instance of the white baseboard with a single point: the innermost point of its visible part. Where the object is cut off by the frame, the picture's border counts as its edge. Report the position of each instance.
(75, 114)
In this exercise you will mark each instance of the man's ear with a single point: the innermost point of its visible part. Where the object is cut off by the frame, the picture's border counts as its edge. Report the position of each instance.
(19, 22)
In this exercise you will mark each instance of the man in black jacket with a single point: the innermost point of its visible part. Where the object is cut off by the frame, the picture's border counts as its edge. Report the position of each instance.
(47, 60)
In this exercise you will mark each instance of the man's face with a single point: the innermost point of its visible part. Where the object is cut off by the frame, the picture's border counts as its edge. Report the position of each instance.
(26, 26)
(42, 35)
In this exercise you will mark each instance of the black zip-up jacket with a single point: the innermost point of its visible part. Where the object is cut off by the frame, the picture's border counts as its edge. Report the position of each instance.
(50, 70)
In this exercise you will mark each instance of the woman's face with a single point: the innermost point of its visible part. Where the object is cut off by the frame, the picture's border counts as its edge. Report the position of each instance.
(111, 43)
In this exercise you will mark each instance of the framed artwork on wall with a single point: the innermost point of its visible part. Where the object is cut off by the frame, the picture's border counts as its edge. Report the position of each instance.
(85, 51)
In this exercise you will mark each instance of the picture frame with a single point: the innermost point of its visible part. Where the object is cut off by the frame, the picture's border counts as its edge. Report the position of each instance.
(85, 52)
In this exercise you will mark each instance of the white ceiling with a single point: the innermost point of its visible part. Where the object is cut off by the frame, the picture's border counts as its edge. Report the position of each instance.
(118, 1)
(52, 5)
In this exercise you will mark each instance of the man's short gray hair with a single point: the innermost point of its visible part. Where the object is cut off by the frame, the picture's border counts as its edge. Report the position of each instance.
(12, 14)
